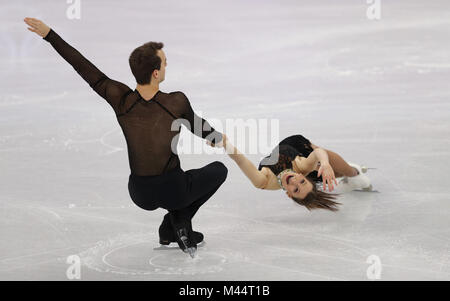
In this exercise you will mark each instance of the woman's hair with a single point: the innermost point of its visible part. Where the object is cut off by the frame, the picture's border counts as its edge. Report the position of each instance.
(317, 199)
(144, 60)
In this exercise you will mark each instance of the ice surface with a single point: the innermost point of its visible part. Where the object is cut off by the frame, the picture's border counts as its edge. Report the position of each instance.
(376, 92)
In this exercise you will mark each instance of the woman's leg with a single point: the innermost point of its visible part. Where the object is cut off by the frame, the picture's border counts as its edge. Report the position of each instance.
(340, 167)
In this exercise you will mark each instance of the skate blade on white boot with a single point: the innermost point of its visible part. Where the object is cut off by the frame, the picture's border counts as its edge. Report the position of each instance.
(367, 189)
(360, 182)
(361, 168)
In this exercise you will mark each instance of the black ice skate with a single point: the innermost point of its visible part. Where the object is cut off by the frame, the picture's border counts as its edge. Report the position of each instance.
(167, 234)
(185, 242)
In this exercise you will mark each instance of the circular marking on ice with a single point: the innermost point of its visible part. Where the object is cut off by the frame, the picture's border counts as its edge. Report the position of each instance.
(180, 263)
(133, 259)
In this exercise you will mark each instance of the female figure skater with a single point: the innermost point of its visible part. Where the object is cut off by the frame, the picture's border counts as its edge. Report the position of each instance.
(295, 165)
(146, 116)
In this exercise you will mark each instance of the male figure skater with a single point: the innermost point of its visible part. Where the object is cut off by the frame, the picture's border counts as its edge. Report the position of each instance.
(145, 116)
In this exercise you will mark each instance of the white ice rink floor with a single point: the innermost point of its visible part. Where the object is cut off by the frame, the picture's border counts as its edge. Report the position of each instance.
(376, 92)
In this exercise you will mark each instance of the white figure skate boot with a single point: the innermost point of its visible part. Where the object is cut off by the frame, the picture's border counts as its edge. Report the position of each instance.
(347, 184)
(361, 181)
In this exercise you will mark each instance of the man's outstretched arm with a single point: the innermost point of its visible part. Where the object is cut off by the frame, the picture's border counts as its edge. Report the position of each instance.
(110, 90)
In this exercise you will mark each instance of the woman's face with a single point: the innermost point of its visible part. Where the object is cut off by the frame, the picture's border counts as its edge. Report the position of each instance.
(296, 185)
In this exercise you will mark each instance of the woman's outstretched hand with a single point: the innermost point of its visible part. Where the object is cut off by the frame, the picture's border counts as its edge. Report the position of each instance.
(327, 176)
(37, 26)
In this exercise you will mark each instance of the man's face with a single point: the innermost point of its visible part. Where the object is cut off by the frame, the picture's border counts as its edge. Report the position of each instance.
(162, 71)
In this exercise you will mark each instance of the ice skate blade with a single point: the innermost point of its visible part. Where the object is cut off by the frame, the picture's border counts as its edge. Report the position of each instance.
(190, 251)
(368, 188)
(169, 247)
(364, 169)
(166, 248)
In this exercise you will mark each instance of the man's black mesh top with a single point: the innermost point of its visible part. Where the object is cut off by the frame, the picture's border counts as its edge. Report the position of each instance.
(146, 124)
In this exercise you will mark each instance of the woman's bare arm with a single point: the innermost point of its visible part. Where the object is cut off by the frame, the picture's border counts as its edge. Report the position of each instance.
(258, 178)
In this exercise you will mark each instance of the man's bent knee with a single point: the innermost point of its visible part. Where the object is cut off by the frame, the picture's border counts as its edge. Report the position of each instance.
(221, 169)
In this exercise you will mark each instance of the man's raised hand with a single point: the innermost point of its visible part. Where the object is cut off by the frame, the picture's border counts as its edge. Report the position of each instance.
(37, 26)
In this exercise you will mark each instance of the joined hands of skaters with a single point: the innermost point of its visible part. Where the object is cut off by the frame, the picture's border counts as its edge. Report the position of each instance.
(225, 144)
(222, 143)
(37, 26)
